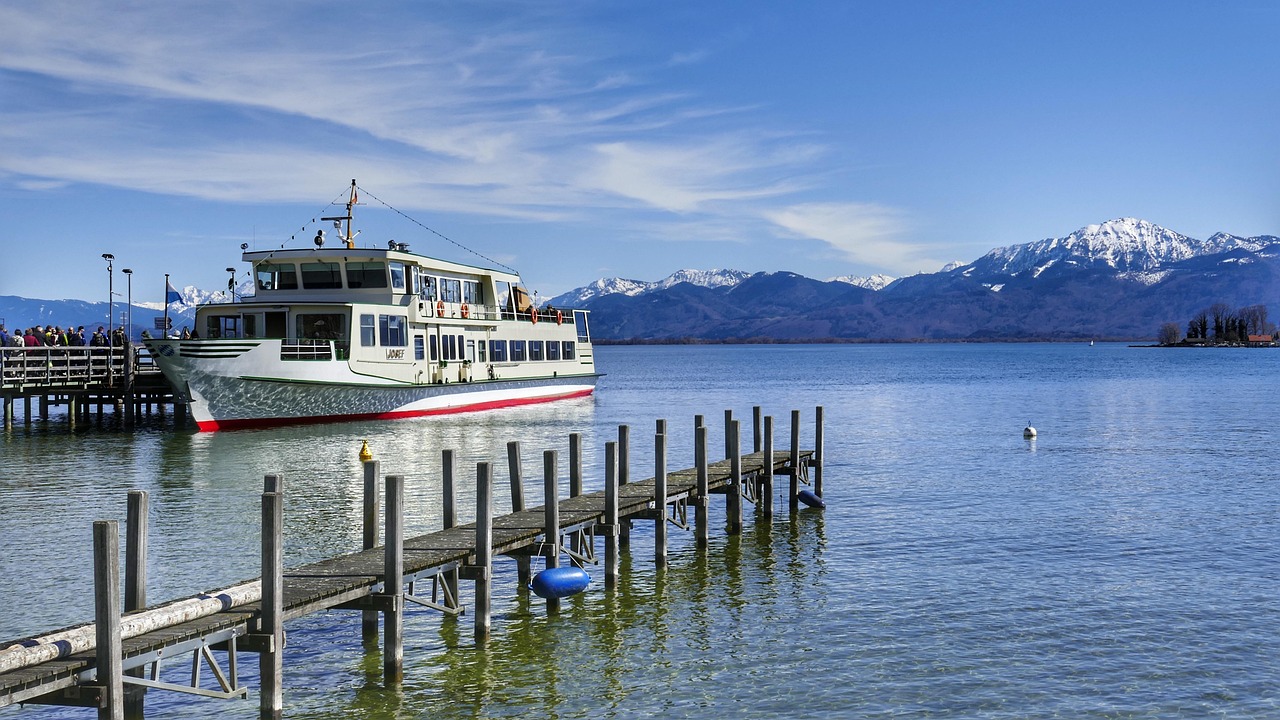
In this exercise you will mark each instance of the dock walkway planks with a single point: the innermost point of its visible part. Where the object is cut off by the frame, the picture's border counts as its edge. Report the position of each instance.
(341, 580)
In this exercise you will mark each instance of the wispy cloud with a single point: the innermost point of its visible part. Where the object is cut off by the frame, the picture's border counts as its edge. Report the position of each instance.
(864, 233)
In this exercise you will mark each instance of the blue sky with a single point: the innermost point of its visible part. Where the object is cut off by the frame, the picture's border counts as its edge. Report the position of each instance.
(574, 140)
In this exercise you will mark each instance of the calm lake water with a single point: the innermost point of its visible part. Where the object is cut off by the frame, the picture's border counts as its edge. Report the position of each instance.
(1124, 564)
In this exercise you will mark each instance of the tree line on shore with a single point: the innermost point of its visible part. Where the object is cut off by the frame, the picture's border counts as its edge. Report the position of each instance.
(1218, 324)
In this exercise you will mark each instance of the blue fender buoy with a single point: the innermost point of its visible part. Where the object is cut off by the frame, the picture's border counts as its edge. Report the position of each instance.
(560, 582)
(809, 498)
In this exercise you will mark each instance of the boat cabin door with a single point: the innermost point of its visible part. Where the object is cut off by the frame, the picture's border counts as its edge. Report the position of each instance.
(277, 325)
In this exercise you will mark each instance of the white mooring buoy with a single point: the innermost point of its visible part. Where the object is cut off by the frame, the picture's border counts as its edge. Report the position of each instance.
(1028, 432)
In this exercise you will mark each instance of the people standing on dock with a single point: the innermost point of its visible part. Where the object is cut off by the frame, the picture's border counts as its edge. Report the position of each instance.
(75, 338)
(4, 337)
(30, 339)
(99, 338)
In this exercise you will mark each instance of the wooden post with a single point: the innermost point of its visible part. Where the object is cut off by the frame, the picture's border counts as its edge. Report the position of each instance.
(449, 469)
(72, 410)
(610, 515)
(766, 499)
(817, 452)
(484, 548)
(728, 420)
(551, 507)
(8, 412)
(271, 659)
(393, 584)
(701, 500)
(135, 583)
(697, 422)
(660, 495)
(523, 576)
(661, 427)
(130, 401)
(795, 465)
(372, 509)
(106, 611)
(733, 498)
(755, 429)
(575, 480)
(624, 476)
(273, 483)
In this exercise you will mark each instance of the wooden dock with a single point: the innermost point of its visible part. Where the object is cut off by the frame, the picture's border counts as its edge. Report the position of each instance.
(81, 379)
(110, 664)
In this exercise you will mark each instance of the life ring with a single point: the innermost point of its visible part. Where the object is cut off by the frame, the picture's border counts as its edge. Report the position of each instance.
(466, 312)
(559, 318)
(533, 315)
(440, 308)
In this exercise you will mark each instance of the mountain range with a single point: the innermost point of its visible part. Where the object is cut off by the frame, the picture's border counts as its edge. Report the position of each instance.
(1120, 279)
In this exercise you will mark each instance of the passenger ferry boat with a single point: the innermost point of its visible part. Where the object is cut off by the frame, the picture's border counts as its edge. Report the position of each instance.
(343, 333)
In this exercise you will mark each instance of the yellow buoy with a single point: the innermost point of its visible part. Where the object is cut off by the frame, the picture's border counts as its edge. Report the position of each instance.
(365, 454)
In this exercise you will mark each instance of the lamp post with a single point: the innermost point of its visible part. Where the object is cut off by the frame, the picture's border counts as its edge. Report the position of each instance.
(110, 295)
(128, 323)
(231, 284)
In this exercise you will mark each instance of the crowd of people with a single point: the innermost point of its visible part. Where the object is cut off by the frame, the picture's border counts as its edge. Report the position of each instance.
(54, 336)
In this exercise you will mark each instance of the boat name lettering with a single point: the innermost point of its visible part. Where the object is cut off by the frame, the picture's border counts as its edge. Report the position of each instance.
(395, 354)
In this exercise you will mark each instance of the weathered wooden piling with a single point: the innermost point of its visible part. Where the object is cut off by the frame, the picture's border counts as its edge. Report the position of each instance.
(393, 584)
(795, 466)
(701, 499)
(135, 583)
(733, 494)
(449, 503)
(271, 654)
(766, 500)
(523, 576)
(624, 476)
(371, 517)
(817, 452)
(575, 480)
(755, 428)
(483, 569)
(660, 495)
(551, 512)
(610, 527)
(106, 591)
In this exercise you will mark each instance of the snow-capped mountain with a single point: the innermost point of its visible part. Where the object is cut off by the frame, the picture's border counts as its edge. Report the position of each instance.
(873, 282)
(622, 286)
(193, 296)
(1128, 245)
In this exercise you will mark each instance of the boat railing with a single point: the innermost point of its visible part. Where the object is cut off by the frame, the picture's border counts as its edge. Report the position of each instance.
(310, 349)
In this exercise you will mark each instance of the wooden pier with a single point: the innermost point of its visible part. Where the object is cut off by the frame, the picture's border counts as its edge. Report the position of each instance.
(108, 665)
(82, 378)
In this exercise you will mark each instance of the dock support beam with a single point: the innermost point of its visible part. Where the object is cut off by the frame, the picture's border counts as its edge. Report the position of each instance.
(135, 583)
(610, 515)
(551, 506)
(271, 660)
(733, 497)
(766, 501)
(624, 476)
(701, 500)
(523, 576)
(660, 495)
(372, 511)
(393, 584)
(484, 548)
(817, 452)
(106, 587)
(795, 461)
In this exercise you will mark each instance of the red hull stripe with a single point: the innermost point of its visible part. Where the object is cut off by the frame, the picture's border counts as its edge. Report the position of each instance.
(211, 425)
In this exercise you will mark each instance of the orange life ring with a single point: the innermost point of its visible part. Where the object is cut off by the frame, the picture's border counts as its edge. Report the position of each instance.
(440, 308)
(466, 312)
(533, 315)
(559, 318)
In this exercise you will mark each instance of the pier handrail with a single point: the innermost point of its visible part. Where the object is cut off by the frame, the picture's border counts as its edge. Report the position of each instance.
(61, 367)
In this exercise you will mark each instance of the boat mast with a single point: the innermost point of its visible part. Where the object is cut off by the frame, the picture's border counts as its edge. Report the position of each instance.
(347, 237)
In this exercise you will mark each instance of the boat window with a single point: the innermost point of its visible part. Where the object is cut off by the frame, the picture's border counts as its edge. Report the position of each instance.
(535, 350)
(391, 331)
(428, 288)
(449, 353)
(435, 352)
(461, 345)
(415, 280)
(584, 333)
(471, 292)
(553, 350)
(498, 350)
(326, 326)
(367, 331)
(222, 326)
(321, 276)
(482, 346)
(471, 349)
(277, 276)
(567, 346)
(418, 352)
(368, 275)
(517, 351)
(249, 325)
(450, 290)
(397, 275)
